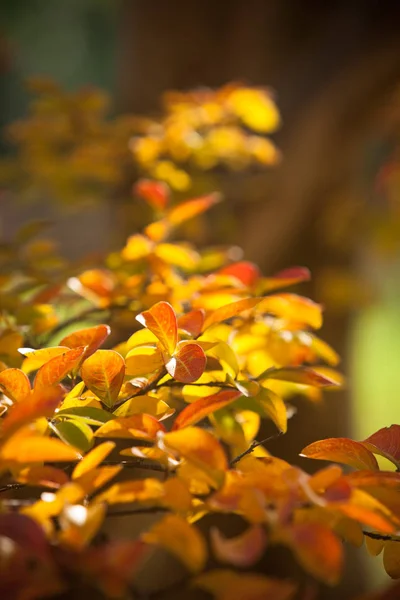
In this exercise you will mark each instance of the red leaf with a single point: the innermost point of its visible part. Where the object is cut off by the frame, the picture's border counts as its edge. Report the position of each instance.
(195, 412)
(342, 450)
(58, 367)
(188, 363)
(385, 442)
(92, 338)
(15, 384)
(247, 272)
(192, 322)
(161, 320)
(156, 193)
(301, 375)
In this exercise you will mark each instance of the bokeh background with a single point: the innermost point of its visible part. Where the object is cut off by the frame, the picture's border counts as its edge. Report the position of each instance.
(332, 204)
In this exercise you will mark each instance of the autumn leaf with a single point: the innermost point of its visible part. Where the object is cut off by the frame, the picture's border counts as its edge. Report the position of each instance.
(246, 272)
(156, 193)
(143, 360)
(141, 490)
(196, 411)
(93, 459)
(37, 358)
(192, 322)
(241, 551)
(42, 402)
(37, 449)
(224, 584)
(92, 338)
(15, 384)
(317, 549)
(285, 278)
(301, 375)
(230, 310)
(161, 320)
(188, 362)
(342, 450)
(57, 368)
(293, 308)
(385, 442)
(135, 426)
(103, 373)
(175, 534)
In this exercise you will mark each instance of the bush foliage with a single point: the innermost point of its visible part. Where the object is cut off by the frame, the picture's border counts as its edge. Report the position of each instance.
(139, 386)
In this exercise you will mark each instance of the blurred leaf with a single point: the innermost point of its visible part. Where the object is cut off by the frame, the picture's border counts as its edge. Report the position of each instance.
(241, 551)
(15, 384)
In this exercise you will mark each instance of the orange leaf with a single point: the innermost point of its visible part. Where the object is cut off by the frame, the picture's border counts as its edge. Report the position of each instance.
(92, 338)
(58, 367)
(161, 320)
(224, 584)
(318, 550)
(37, 449)
(103, 373)
(188, 362)
(15, 384)
(196, 411)
(342, 450)
(37, 358)
(135, 426)
(301, 375)
(133, 491)
(285, 278)
(247, 272)
(42, 476)
(293, 308)
(385, 442)
(42, 402)
(180, 538)
(93, 459)
(192, 322)
(230, 310)
(241, 551)
(201, 449)
(156, 193)
(187, 210)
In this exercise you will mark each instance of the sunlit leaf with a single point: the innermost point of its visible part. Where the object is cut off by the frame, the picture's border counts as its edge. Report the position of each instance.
(188, 362)
(93, 459)
(161, 320)
(285, 278)
(230, 310)
(136, 426)
(103, 373)
(87, 413)
(385, 442)
(42, 402)
(145, 404)
(15, 384)
(195, 412)
(143, 360)
(293, 308)
(133, 491)
(92, 338)
(342, 450)
(183, 540)
(57, 368)
(241, 551)
(192, 322)
(37, 358)
(80, 524)
(246, 272)
(42, 476)
(37, 449)
(301, 375)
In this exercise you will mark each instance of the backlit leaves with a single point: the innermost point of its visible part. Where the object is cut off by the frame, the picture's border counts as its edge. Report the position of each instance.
(103, 373)
(344, 451)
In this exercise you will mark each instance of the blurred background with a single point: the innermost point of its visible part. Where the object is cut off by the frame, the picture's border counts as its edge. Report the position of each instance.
(331, 203)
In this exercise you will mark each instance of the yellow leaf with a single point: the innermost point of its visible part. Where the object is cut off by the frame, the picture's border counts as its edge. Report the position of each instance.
(93, 459)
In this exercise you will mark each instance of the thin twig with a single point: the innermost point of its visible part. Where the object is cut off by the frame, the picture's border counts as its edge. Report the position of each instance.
(12, 486)
(381, 536)
(138, 511)
(253, 446)
(137, 462)
(218, 384)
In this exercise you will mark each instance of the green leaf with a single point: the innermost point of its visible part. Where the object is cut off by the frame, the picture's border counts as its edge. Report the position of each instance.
(89, 414)
(75, 433)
